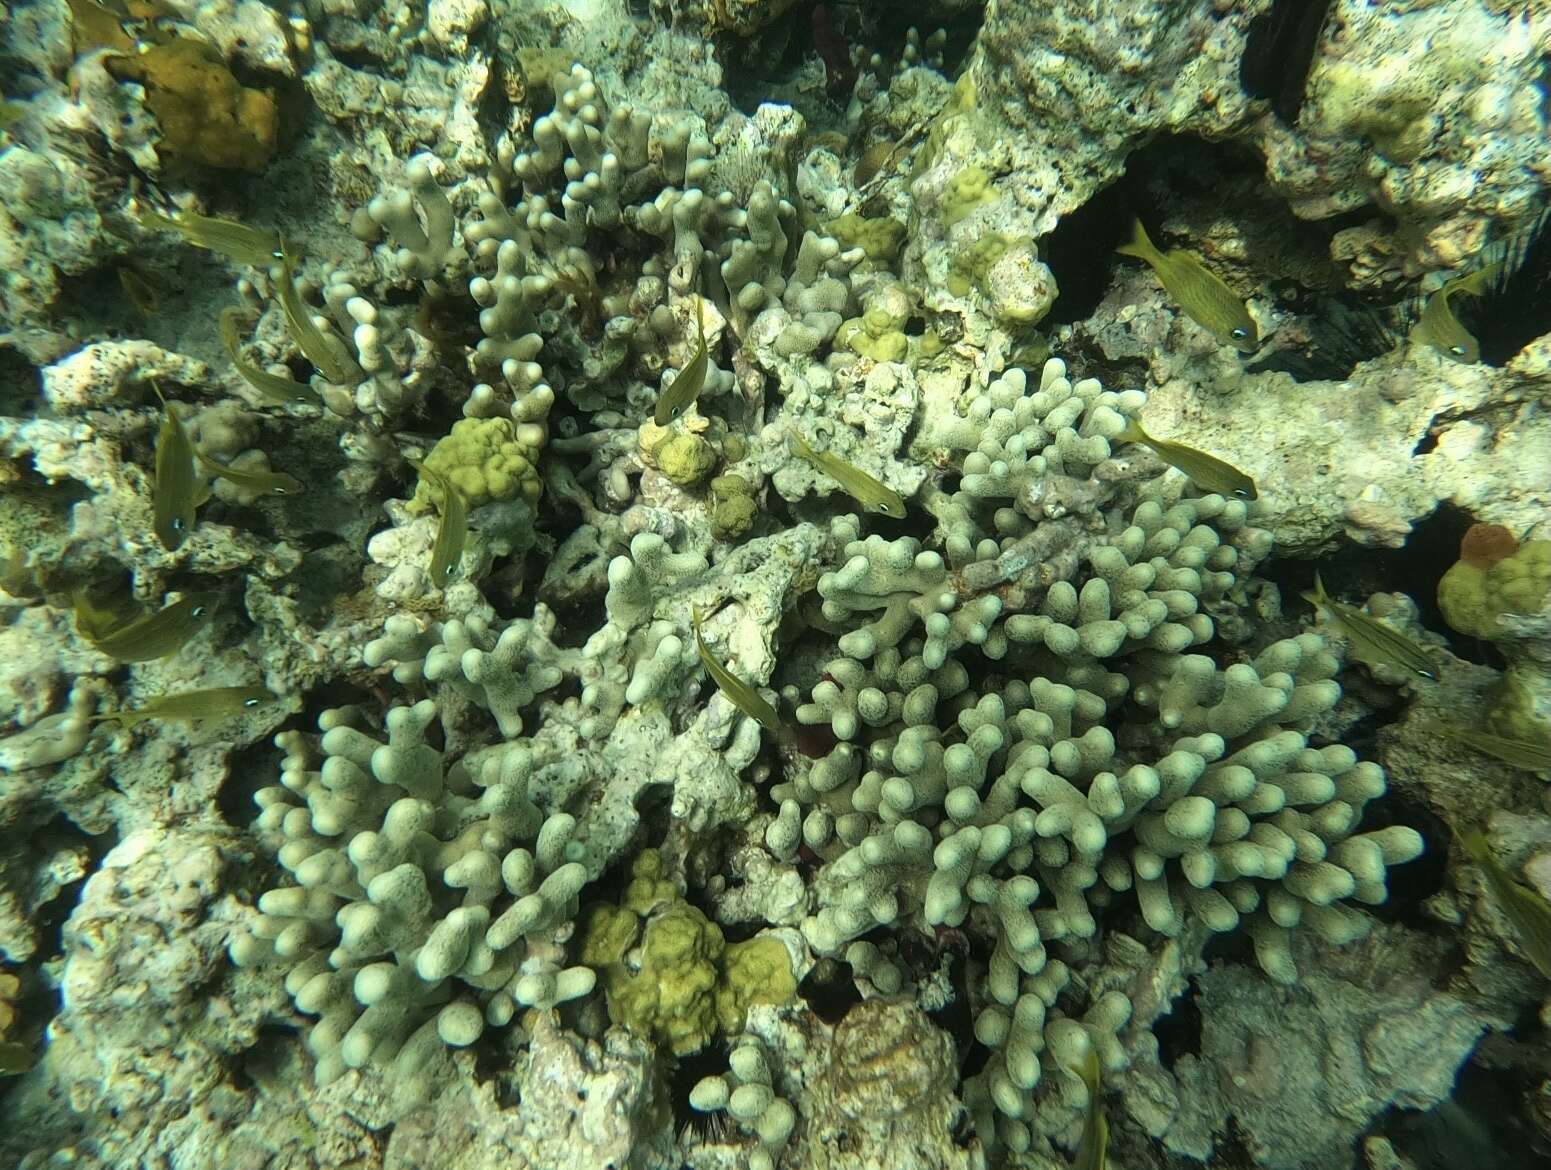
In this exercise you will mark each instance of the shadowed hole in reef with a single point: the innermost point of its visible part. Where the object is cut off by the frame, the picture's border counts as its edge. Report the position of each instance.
(1413, 569)
(829, 989)
(1179, 1032)
(21, 383)
(1480, 1127)
(54, 838)
(686, 1073)
(251, 768)
(1518, 310)
(1414, 882)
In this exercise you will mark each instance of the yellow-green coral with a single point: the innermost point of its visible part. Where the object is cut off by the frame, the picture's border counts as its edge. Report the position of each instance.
(880, 238)
(756, 971)
(485, 461)
(207, 117)
(879, 332)
(690, 984)
(732, 507)
(672, 998)
(686, 459)
(967, 191)
(1473, 599)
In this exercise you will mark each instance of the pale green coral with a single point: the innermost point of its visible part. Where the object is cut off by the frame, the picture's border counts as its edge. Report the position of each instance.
(1474, 599)
(686, 984)
(756, 971)
(732, 507)
(968, 191)
(880, 237)
(672, 998)
(486, 460)
(686, 459)
(879, 332)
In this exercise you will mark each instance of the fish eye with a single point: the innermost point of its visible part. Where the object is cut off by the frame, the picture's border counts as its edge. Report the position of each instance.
(250, 702)
(1239, 334)
(1457, 349)
(197, 611)
(1242, 493)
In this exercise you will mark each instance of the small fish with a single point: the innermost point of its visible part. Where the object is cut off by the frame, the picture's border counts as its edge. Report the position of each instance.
(688, 382)
(244, 244)
(192, 706)
(739, 693)
(15, 1058)
(1206, 471)
(172, 493)
(268, 483)
(324, 350)
(1525, 754)
(1441, 329)
(452, 532)
(1525, 908)
(1093, 1149)
(153, 635)
(139, 292)
(271, 387)
(1372, 641)
(863, 488)
(1205, 298)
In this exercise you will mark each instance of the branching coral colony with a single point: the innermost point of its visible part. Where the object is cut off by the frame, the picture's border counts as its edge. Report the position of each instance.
(1010, 728)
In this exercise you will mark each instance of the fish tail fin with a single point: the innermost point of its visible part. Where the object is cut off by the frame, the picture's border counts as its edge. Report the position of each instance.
(1132, 432)
(1317, 595)
(1474, 843)
(800, 445)
(700, 318)
(160, 397)
(1139, 244)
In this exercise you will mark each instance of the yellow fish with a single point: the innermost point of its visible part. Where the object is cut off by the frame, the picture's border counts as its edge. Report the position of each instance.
(268, 483)
(1529, 913)
(1525, 754)
(1205, 298)
(452, 533)
(324, 350)
(140, 639)
(688, 382)
(872, 494)
(1093, 1149)
(739, 693)
(272, 387)
(1206, 471)
(192, 706)
(1441, 329)
(172, 492)
(244, 244)
(1372, 641)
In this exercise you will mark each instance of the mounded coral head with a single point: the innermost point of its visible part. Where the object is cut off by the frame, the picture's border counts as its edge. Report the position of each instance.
(688, 984)
(207, 117)
(1475, 596)
(486, 460)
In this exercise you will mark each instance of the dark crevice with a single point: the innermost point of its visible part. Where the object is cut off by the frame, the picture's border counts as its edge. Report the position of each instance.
(684, 1074)
(829, 990)
(1414, 569)
(1179, 1032)
(1518, 309)
(1481, 1126)
(1279, 52)
(251, 768)
(1411, 884)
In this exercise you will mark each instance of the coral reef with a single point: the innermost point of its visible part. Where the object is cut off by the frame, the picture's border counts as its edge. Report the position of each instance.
(631, 793)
